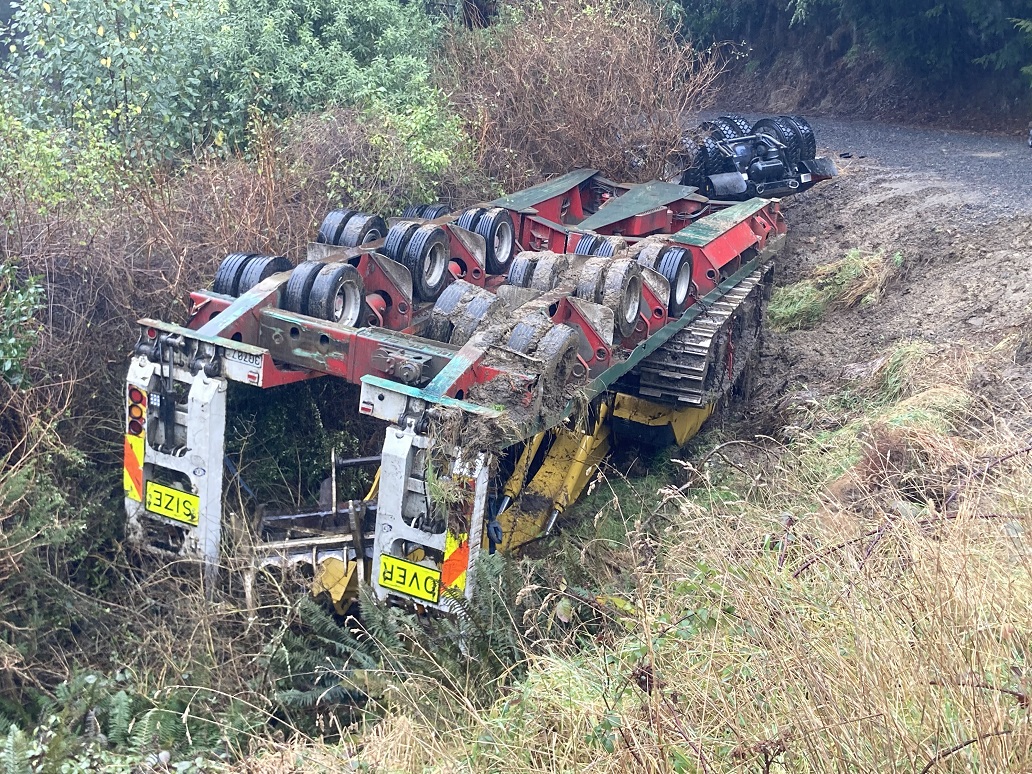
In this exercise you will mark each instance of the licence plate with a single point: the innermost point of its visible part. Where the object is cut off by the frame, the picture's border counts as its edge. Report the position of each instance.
(409, 578)
(173, 503)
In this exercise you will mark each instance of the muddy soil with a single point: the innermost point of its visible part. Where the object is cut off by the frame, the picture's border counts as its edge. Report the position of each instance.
(958, 206)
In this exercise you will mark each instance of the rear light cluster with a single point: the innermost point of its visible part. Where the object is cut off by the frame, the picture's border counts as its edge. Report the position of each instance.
(137, 414)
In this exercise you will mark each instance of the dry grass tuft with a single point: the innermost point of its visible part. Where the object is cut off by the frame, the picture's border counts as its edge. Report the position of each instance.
(570, 84)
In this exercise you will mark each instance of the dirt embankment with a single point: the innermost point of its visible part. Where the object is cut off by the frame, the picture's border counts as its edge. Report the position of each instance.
(958, 207)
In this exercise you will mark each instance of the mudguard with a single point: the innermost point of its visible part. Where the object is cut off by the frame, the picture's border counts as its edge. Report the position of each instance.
(728, 184)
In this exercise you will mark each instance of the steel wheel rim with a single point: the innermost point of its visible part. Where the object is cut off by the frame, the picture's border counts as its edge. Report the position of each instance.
(346, 298)
(632, 299)
(503, 241)
(433, 270)
(682, 283)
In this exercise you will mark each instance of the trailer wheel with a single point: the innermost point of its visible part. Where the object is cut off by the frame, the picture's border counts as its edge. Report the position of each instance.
(337, 294)
(675, 263)
(332, 225)
(528, 332)
(649, 254)
(441, 315)
(361, 230)
(585, 244)
(470, 316)
(261, 267)
(714, 162)
(548, 271)
(622, 294)
(742, 127)
(522, 269)
(426, 257)
(808, 147)
(558, 350)
(693, 174)
(413, 211)
(469, 219)
(435, 211)
(590, 283)
(299, 286)
(227, 277)
(609, 246)
(497, 229)
(398, 237)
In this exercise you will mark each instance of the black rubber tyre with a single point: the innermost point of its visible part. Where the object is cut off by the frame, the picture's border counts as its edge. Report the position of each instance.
(742, 127)
(622, 293)
(413, 211)
(558, 350)
(337, 295)
(715, 162)
(609, 246)
(295, 296)
(498, 230)
(648, 255)
(784, 133)
(435, 211)
(591, 281)
(361, 230)
(728, 129)
(332, 225)
(548, 271)
(440, 327)
(398, 237)
(426, 257)
(808, 146)
(469, 219)
(586, 245)
(227, 277)
(675, 263)
(468, 319)
(694, 173)
(522, 270)
(528, 332)
(711, 129)
(262, 267)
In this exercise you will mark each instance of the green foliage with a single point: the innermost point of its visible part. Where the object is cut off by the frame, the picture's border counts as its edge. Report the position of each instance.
(19, 302)
(133, 68)
(47, 169)
(162, 77)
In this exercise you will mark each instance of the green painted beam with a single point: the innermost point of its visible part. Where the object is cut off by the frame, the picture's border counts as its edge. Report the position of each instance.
(527, 198)
(638, 200)
(705, 230)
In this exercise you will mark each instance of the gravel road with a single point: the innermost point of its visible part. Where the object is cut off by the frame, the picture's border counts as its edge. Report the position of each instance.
(989, 176)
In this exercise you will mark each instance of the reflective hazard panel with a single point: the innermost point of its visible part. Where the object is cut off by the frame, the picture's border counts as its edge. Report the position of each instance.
(409, 578)
(173, 503)
(132, 468)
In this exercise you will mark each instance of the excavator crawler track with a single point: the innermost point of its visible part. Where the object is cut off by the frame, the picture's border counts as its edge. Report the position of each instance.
(701, 363)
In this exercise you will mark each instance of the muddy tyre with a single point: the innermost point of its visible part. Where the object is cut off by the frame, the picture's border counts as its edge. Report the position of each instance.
(261, 267)
(558, 351)
(549, 271)
(591, 281)
(426, 257)
(227, 277)
(522, 270)
(295, 295)
(622, 293)
(337, 295)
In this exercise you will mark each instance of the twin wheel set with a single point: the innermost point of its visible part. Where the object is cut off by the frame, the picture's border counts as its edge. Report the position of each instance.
(609, 274)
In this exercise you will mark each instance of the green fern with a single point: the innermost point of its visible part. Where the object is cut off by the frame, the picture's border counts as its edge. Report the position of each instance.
(16, 756)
